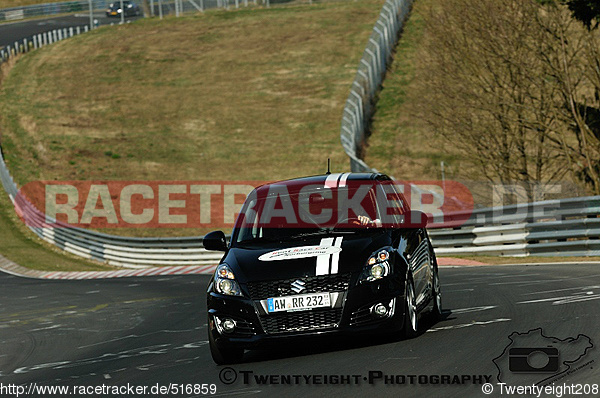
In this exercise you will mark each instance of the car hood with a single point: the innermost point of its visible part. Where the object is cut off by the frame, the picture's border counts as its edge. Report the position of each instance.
(334, 254)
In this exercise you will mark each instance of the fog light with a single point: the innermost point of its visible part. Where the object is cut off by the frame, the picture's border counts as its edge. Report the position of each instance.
(380, 309)
(228, 325)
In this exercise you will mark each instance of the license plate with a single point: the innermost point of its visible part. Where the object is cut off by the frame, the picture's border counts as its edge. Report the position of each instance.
(300, 302)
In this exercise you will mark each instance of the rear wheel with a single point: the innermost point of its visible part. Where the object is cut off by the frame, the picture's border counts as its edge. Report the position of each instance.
(411, 321)
(224, 356)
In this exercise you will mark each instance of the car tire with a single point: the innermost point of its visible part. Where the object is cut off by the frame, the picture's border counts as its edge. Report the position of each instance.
(224, 356)
(411, 317)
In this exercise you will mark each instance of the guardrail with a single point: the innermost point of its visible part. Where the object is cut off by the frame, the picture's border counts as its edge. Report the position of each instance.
(40, 40)
(550, 228)
(114, 250)
(370, 74)
(566, 227)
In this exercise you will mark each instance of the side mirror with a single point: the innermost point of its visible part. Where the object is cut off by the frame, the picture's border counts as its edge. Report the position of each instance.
(416, 219)
(215, 241)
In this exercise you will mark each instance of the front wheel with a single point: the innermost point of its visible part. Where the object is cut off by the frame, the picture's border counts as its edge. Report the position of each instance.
(411, 321)
(224, 356)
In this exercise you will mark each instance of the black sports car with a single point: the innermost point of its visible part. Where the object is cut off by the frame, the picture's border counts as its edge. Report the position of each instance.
(337, 253)
(131, 9)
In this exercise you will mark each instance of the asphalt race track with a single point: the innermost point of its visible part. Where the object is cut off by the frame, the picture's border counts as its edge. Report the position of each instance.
(152, 331)
(16, 31)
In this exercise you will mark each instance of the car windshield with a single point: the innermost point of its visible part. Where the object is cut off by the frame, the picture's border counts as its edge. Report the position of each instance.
(282, 212)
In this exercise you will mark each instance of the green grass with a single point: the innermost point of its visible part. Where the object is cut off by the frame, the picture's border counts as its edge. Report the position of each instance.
(400, 144)
(251, 94)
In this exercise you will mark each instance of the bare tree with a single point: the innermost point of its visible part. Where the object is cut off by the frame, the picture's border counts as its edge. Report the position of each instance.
(515, 84)
(573, 61)
(483, 87)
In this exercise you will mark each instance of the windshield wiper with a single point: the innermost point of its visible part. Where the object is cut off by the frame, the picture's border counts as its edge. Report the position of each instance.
(260, 239)
(306, 234)
(324, 231)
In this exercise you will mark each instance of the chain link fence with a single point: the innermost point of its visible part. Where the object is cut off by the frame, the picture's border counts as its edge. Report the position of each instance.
(371, 71)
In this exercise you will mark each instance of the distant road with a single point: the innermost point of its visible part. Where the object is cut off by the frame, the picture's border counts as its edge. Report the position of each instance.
(13, 31)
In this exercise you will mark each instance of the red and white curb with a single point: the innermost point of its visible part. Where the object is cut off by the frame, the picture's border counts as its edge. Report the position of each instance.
(14, 269)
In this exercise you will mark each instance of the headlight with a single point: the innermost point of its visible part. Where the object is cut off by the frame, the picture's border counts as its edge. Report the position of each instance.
(377, 266)
(377, 271)
(225, 281)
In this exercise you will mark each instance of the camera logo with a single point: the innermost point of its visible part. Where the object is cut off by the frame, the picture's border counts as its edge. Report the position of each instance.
(533, 360)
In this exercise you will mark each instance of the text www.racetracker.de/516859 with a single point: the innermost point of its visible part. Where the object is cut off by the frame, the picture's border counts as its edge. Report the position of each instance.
(33, 389)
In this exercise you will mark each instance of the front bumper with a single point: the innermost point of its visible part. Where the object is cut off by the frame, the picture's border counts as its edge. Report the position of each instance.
(351, 313)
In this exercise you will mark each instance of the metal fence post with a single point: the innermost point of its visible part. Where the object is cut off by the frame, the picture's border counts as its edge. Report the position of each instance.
(91, 14)
(378, 67)
(371, 70)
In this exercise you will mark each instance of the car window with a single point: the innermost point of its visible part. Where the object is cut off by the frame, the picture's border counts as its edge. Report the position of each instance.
(287, 212)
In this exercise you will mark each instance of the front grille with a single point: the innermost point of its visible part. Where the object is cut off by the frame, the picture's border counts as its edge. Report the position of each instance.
(313, 284)
(301, 321)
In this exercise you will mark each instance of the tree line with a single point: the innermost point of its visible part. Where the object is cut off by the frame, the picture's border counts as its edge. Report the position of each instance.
(515, 85)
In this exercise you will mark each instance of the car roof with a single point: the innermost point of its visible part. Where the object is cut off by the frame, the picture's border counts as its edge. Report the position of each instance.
(322, 179)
